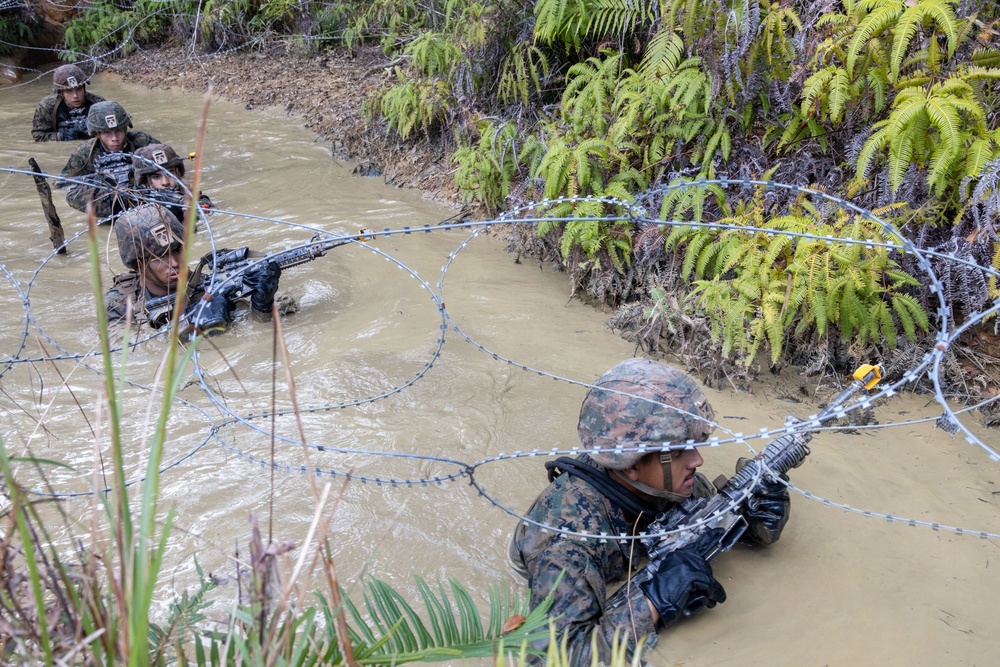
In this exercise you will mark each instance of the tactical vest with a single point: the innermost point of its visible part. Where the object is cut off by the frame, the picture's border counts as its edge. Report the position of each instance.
(127, 286)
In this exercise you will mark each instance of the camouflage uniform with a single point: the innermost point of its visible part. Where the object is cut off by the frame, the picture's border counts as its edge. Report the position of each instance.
(126, 286)
(144, 232)
(573, 503)
(161, 157)
(81, 164)
(590, 566)
(52, 110)
(150, 231)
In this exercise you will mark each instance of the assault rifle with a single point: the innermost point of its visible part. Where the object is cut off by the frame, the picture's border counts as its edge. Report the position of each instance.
(168, 197)
(228, 268)
(115, 167)
(172, 198)
(75, 126)
(722, 514)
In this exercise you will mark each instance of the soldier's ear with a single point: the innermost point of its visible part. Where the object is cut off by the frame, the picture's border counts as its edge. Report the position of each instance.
(632, 473)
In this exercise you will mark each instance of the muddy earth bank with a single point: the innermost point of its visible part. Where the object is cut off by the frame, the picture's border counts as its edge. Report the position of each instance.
(324, 91)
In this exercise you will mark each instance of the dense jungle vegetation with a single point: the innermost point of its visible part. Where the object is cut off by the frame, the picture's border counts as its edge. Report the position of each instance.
(890, 104)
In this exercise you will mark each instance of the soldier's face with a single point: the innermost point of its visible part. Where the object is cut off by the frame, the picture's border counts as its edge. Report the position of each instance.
(74, 97)
(161, 273)
(112, 140)
(683, 465)
(161, 181)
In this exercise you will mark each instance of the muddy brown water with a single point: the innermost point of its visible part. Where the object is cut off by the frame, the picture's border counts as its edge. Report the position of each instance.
(839, 588)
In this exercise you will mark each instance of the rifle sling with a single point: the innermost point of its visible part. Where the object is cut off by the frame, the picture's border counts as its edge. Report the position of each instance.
(610, 489)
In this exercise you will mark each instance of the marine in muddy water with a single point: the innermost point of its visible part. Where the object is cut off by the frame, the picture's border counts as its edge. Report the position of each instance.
(62, 115)
(103, 165)
(150, 244)
(639, 402)
(157, 173)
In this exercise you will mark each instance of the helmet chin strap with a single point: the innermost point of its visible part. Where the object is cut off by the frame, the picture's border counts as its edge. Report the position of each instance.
(150, 279)
(666, 493)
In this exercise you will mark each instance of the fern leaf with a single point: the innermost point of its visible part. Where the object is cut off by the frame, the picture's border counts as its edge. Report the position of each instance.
(878, 83)
(840, 93)
(663, 54)
(877, 22)
(979, 155)
(875, 144)
(814, 87)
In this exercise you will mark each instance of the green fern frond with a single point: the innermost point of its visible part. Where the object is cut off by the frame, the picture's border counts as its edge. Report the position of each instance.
(980, 153)
(938, 12)
(559, 21)
(814, 87)
(663, 55)
(910, 313)
(698, 240)
(878, 21)
(986, 57)
(616, 18)
(875, 144)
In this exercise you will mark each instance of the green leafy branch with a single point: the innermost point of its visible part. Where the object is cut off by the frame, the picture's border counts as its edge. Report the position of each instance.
(760, 287)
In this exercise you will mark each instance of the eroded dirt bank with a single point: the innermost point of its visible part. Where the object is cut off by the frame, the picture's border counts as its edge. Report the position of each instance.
(324, 91)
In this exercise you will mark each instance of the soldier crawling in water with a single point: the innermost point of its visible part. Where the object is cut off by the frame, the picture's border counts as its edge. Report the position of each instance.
(157, 173)
(62, 116)
(101, 168)
(151, 245)
(631, 422)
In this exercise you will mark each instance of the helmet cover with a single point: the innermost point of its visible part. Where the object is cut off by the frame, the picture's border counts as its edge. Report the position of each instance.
(106, 116)
(67, 77)
(147, 231)
(155, 158)
(641, 403)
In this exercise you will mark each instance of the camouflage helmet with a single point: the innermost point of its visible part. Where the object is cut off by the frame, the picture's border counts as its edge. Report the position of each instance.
(105, 116)
(155, 158)
(67, 77)
(610, 420)
(147, 231)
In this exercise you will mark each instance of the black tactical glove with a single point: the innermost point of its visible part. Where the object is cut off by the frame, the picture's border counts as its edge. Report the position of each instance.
(262, 282)
(67, 134)
(210, 315)
(767, 510)
(682, 582)
(74, 128)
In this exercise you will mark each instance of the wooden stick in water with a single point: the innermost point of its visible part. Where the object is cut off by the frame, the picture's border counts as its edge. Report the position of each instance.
(45, 194)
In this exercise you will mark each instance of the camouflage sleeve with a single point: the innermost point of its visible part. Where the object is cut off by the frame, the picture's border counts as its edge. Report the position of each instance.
(124, 287)
(115, 304)
(579, 598)
(140, 139)
(43, 125)
(79, 195)
(78, 162)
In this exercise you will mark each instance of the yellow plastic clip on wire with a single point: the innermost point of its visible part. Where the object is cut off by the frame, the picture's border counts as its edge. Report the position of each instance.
(868, 375)
(192, 155)
(366, 235)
